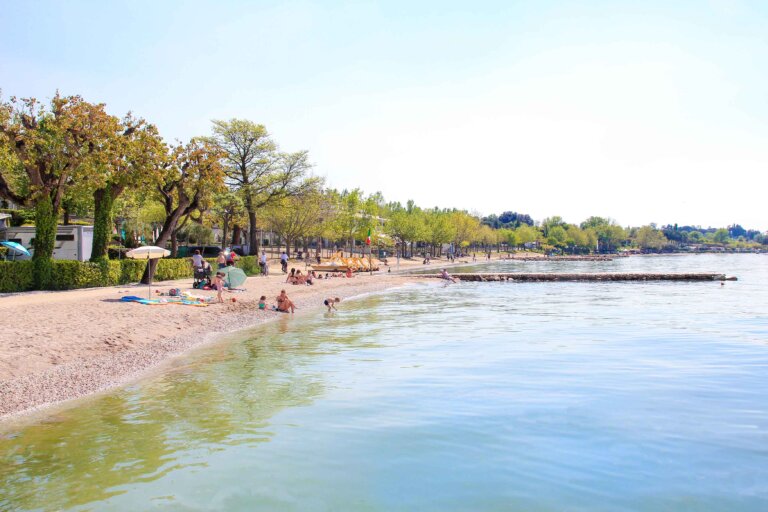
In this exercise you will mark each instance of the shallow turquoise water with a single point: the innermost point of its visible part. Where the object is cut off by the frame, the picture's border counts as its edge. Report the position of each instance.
(473, 396)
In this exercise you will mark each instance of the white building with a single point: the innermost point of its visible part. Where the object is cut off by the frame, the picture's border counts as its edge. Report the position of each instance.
(72, 242)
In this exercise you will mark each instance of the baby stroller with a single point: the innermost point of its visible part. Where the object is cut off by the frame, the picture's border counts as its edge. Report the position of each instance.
(202, 277)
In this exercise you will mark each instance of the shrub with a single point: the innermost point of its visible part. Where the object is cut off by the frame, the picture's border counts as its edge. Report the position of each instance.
(250, 265)
(16, 276)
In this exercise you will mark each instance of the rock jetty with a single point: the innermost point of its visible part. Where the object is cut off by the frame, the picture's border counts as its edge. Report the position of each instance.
(603, 276)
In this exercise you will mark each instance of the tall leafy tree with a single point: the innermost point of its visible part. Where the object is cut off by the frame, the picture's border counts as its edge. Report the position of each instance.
(648, 237)
(50, 145)
(256, 169)
(189, 178)
(131, 158)
(297, 217)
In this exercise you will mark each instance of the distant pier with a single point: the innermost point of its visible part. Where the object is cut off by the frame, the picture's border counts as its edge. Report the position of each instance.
(599, 276)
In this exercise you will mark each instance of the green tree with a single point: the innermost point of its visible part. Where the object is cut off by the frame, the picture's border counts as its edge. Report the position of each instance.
(256, 169)
(190, 177)
(49, 144)
(557, 236)
(131, 158)
(438, 229)
(405, 225)
(228, 210)
(720, 236)
(298, 216)
(649, 238)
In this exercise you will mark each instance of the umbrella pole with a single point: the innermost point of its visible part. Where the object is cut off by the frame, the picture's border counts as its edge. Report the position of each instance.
(149, 273)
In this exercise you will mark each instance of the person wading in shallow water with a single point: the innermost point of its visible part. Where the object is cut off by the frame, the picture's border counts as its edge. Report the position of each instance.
(445, 275)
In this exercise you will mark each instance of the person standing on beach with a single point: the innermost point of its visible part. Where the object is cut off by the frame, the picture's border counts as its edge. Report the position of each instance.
(197, 259)
(263, 264)
(218, 285)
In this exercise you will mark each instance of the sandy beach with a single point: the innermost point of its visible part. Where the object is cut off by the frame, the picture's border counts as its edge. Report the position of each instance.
(56, 346)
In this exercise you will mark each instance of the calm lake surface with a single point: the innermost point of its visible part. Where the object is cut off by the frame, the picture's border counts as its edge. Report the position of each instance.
(465, 397)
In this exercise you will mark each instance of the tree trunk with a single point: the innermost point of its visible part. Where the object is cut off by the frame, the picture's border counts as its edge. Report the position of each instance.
(66, 214)
(175, 243)
(236, 235)
(225, 230)
(253, 234)
(44, 242)
(103, 200)
(169, 227)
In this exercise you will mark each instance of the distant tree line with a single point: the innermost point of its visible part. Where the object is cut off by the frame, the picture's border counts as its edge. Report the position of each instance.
(69, 158)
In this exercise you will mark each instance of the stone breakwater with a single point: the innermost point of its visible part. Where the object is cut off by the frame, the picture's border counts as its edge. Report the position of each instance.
(549, 277)
(560, 258)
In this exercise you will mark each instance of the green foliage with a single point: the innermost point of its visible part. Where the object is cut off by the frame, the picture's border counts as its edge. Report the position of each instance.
(649, 238)
(720, 236)
(20, 217)
(102, 224)
(249, 264)
(16, 276)
(45, 238)
(70, 274)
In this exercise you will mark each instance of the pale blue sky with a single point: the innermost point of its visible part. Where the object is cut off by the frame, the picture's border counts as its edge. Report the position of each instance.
(640, 111)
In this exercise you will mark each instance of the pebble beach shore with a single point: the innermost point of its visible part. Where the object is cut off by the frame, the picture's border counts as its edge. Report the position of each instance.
(58, 346)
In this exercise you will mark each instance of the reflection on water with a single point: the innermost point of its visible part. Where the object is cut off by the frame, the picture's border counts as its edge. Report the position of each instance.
(474, 396)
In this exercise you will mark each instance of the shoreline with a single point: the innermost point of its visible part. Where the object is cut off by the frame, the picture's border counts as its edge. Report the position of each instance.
(68, 345)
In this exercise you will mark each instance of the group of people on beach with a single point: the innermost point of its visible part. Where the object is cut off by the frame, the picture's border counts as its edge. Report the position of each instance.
(202, 270)
(283, 302)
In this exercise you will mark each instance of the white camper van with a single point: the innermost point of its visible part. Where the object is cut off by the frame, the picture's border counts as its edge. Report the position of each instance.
(72, 242)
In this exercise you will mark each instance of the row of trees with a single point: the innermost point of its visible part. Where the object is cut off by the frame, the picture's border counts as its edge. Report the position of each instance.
(70, 156)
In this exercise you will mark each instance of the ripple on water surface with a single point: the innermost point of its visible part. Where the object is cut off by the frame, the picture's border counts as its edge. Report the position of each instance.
(474, 396)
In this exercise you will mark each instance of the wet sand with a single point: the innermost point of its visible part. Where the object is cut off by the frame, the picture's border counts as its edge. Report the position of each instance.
(56, 346)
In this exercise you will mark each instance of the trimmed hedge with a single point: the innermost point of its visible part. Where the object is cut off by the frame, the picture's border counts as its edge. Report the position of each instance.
(18, 276)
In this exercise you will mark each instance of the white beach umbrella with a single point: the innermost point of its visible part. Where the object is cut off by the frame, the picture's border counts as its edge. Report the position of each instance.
(148, 252)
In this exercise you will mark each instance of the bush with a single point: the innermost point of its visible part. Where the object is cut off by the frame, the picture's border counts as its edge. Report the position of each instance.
(18, 276)
(68, 274)
(172, 269)
(250, 265)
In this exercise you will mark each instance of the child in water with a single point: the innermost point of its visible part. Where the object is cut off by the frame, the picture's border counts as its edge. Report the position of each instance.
(330, 303)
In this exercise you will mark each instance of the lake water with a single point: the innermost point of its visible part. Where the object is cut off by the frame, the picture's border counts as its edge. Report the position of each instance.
(471, 396)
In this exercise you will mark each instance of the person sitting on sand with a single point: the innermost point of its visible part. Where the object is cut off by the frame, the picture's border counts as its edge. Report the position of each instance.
(330, 303)
(349, 272)
(444, 275)
(263, 302)
(291, 277)
(218, 285)
(285, 304)
(300, 278)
